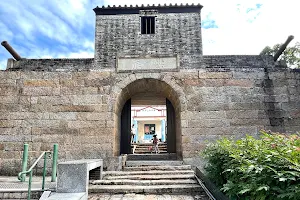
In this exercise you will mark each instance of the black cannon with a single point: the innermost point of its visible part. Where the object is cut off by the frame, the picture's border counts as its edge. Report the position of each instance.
(11, 50)
(283, 47)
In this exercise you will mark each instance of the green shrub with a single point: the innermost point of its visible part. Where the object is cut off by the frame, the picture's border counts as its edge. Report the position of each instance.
(249, 168)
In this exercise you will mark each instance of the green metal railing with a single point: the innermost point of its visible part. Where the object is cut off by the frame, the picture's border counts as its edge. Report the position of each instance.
(54, 162)
(22, 175)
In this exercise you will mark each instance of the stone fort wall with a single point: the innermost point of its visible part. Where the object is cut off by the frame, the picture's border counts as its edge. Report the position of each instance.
(175, 34)
(223, 96)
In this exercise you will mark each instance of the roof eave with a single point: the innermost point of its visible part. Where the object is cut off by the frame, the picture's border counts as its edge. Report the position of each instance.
(114, 10)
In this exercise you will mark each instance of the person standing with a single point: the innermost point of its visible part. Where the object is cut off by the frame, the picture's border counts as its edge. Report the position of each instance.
(155, 144)
(132, 133)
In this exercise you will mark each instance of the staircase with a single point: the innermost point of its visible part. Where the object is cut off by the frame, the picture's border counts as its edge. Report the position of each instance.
(150, 177)
(144, 148)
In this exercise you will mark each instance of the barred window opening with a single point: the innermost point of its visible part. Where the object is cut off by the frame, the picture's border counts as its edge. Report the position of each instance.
(148, 25)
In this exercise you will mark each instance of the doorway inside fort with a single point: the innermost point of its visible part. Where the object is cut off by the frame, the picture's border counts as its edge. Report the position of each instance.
(144, 117)
(149, 111)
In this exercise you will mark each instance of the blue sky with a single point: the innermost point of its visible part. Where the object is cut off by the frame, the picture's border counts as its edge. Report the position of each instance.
(65, 28)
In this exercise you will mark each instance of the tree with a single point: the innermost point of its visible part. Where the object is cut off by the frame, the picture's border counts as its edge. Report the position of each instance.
(291, 54)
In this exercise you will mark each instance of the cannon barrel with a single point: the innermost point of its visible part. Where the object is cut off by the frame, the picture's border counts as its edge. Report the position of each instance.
(11, 50)
(283, 47)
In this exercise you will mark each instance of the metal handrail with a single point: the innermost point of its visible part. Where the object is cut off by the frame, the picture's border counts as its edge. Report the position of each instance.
(20, 175)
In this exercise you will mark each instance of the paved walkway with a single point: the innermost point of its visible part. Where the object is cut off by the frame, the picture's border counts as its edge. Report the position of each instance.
(11, 184)
(145, 197)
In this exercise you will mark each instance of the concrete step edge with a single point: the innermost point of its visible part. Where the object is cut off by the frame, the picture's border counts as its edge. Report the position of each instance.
(153, 163)
(150, 144)
(157, 167)
(150, 177)
(152, 172)
(149, 151)
(146, 147)
(176, 189)
(144, 182)
(149, 186)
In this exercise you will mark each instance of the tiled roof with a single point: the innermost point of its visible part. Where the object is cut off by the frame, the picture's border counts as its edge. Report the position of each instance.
(132, 9)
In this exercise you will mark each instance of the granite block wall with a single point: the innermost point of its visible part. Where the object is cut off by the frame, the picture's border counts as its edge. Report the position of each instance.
(81, 110)
(63, 65)
(43, 108)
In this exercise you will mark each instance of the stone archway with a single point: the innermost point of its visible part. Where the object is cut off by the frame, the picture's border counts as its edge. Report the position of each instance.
(157, 87)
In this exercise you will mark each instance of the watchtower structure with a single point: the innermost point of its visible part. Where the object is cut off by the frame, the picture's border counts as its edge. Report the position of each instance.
(169, 32)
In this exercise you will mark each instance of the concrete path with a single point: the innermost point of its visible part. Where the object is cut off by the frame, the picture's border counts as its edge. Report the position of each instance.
(145, 197)
(12, 184)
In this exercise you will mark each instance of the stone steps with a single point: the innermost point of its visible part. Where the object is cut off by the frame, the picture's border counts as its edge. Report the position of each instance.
(147, 147)
(147, 152)
(149, 144)
(152, 157)
(144, 182)
(152, 172)
(149, 189)
(158, 167)
(151, 177)
(140, 149)
(144, 147)
(139, 163)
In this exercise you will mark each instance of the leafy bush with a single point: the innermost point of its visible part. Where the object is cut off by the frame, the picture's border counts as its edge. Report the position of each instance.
(249, 168)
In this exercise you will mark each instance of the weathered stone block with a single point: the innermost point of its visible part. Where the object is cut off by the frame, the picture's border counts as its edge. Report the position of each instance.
(54, 100)
(63, 116)
(9, 90)
(72, 108)
(277, 75)
(40, 83)
(203, 115)
(239, 82)
(276, 98)
(246, 105)
(92, 116)
(249, 122)
(86, 124)
(208, 123)
(9, 99)
(40, 91)
(43, 123)
(86, 99)
(218, 98)
(242, 114)
(94, 131)
(209, 106)
(98, 82)
(10, 123)
(55, 130)
(258, 74)
(214, 75)
(55, 138)
(10, 154)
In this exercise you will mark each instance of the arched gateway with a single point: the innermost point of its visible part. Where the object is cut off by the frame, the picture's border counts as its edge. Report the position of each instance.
(148, 91)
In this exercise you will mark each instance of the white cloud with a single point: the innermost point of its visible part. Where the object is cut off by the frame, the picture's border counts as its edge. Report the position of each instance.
(240, 32)
(81, 54)
(88, 44)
